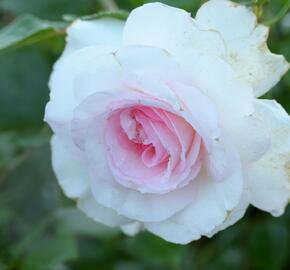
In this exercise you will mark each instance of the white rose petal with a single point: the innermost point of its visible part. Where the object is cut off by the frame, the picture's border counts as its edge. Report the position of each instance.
(245, 41)
(104, 32)
(210, 207)
(99, 213)
(269, 177)
(69, 169)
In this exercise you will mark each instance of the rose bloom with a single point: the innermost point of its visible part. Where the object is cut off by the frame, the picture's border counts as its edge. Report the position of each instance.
(157, 122)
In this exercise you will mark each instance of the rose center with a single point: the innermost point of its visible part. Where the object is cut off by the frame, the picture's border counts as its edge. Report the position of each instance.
(151, 146)
(139, 126)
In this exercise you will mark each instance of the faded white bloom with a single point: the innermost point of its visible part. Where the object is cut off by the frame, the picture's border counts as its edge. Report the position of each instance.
(157, 122)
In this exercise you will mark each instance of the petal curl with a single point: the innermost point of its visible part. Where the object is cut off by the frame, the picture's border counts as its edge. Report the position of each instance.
(250, 134)
(234, 215)
(86, 41)
(269, 177)
(242, 43)
(217, 79)
(169, 28)
(63, 97)
(70, 170)
(246, 43)
(209, 209)
(102, 32)
(99, 213)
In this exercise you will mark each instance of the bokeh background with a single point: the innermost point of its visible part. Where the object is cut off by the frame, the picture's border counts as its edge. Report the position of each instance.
(40, 229)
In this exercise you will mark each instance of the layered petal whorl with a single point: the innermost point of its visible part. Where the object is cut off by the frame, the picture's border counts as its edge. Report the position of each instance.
(157, 124)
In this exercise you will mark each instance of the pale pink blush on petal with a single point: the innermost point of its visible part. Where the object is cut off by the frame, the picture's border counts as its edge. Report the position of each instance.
(151, 149)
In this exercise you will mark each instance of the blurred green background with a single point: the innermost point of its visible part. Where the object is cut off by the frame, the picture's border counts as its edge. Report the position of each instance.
(41, 230)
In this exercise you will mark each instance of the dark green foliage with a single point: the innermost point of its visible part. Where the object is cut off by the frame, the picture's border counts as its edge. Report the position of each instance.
(40, 229)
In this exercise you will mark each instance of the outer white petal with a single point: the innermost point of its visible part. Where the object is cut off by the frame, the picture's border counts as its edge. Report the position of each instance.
(70, 169)
(210, 207)
(86, 40)
(63, 96)
(169, 28)
(234, 215)
(250, 134)
(217, 79)
(99, 213)
(269, 177)
(102, 32)
(245, 41)
(136, 69)
(230, 19)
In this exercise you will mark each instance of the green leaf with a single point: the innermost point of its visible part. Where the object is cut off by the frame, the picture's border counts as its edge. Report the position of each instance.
(117, 14)
(24, 75)
(51, 254)
(145, 245)
(27, 30)
(31, 191)
(2, 266)
(14, 146)
(269, 245)
(6, 213)
(32, 236)
(190, 6)
(52, 9)
(280, 14)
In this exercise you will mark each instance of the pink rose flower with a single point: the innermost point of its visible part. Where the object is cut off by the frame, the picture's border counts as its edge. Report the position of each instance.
(157, 122)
